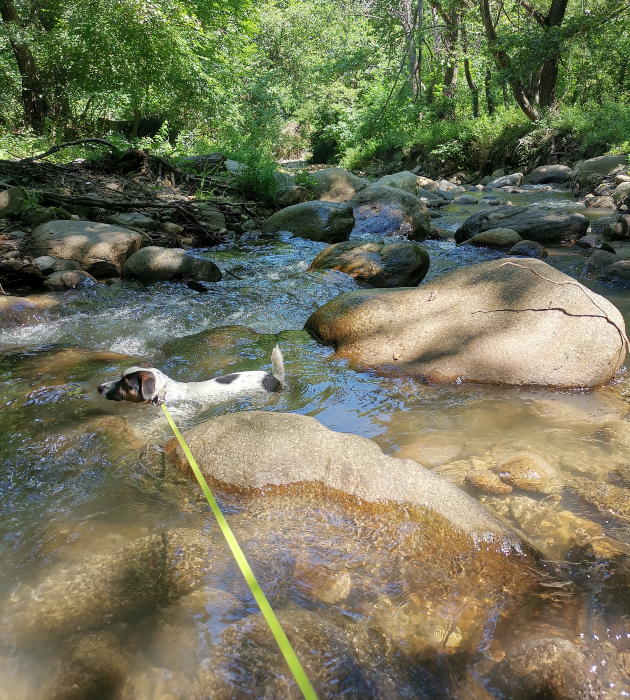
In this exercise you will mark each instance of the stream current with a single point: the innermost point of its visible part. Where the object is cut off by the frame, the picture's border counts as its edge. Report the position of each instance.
(81, 477)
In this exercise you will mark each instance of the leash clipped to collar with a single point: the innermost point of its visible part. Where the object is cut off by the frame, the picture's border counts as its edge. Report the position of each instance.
(274, 625)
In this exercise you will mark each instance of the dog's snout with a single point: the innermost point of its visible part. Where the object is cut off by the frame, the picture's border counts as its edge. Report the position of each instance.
(102, 388)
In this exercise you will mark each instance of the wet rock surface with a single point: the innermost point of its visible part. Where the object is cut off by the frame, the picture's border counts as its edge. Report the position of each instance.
(529, 249)
(544, 226)
(153, 264)
(387, 211)
(70, 279)
(324, 221)
(481, 323)
(529, 472)
(607, 498)
(495, 238)
(396, 265)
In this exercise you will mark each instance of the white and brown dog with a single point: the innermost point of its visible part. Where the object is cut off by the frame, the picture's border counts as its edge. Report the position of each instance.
(149, 385)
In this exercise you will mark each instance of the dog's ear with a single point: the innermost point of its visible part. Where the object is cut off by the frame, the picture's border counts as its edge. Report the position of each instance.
(144, 364)
(147, 385)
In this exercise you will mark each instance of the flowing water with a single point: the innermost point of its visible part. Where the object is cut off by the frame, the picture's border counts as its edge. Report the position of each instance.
(391, 614)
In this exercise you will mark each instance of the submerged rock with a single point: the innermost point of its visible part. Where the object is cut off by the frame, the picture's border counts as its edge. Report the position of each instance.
(154, 264)
(511, 321)
(99, 589)
(259, 449)
(529, 472)
(324, 221)
(387, 211)
(336, 184)
(529, 249)
(542, 225)
(486, 482)
(607, 498)
(397, 265)
(548, 668)
(100, 249)
(19, 310)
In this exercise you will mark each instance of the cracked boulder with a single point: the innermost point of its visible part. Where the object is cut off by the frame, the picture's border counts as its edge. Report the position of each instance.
(513, 321)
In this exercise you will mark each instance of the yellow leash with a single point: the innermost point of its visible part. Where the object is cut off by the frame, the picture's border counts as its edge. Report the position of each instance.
(276, 629)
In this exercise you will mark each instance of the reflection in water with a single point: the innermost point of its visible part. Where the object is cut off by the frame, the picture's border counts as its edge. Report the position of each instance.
(116, 582)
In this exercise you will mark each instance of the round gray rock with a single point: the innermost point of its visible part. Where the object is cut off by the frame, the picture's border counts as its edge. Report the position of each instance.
(529, 249)
(509, 321)
(99, 249)
(466, 199)
(549, 173)
(387, 211)
(328, 222)
(513, 180)
(617, 228)
(47, 265)
(495, 238)
(70, 279)
(336, 184)
(617, 274)
(598, 261)
(542, 225)
(397, 265)
(293, 194)
(593, 202)
(155, 264)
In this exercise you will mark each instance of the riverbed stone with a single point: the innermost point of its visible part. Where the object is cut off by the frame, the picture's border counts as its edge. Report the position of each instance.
(47, 265)
(617, 274)
(542, 225)
(387, 211)
(154, 264)
(513, 180)
(607, 498)
(598, 202)
(509, 321)
(495, 238)
(485, 481)
(261, 449)
(465, 199)
(13, 202)
(617, 228)
(598, 261)
(430, 198)
(293, 194)
(133, 220)
(445, 194)
(324, 221)
(22, 310)
(529, 472)
(549, 173)
(548, 668)
(69, 279)
(406, 181)
(621, 192)
(529, 249)
(427, 184)
(396, 265)
(594, 242)
(103, 588)
(336, 184)
(99, 249)
(602, 165)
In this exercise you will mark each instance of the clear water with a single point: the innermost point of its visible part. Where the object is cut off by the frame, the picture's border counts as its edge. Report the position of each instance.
(390, 607)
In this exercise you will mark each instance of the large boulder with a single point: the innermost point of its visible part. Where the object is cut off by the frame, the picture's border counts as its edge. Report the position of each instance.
(154, 264)
(406, 181)
(542, 225)
(598, 261)
(387, 211)
(616, 274)
(13, 202)
(603, 165)
(336, 184)
(327, 222)
(513, 180)
(549, 173)
(617, 227)
(100, 249)
(509, 321)
(396, 265)
(621, 192)
(258, 449)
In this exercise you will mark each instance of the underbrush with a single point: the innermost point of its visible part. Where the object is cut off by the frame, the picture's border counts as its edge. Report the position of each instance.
(507, 138)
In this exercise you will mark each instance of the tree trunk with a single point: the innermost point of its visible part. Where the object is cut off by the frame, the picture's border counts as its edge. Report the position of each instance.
(451, 20)
(474, 88)
(548, 98)
(33, 100)
(489, 95)
(136, 124)
(503, 61)
(412, 18)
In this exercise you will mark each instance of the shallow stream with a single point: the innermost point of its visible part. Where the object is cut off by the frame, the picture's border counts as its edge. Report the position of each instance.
(82, 477)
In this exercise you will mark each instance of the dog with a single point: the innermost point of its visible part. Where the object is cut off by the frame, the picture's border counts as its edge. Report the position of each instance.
(150, 386)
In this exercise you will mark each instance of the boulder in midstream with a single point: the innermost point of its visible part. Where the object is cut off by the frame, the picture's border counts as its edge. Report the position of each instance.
(406, 181)
(529, 249)
(387, 211)
(377, 265)
(549, 173)
(324, 221)
(336, 184)
(154, 264)
(511, 321)
(495, 238)
(542, 225)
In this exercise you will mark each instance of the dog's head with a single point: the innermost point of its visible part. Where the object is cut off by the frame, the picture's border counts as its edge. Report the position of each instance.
(136, 384)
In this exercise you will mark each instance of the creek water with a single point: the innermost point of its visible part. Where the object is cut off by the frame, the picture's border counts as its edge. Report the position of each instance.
(81, 477)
